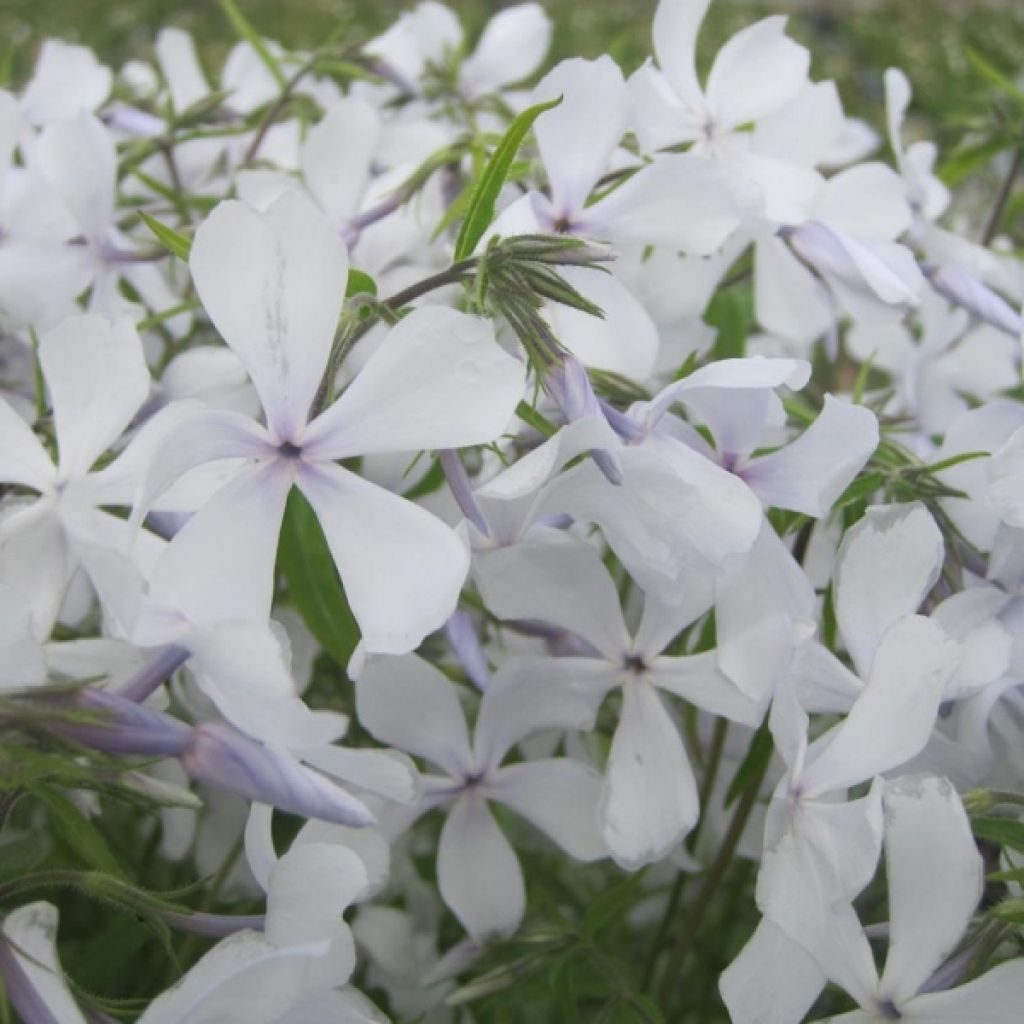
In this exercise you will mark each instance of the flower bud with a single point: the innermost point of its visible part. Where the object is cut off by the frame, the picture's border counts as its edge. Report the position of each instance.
(225, 759)
(462, 490)
(963, 289)
(123, 727)
(568, 384)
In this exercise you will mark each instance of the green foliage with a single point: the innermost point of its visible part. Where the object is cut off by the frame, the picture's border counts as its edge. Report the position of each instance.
(173, 241)
(480, 210)
(305, 561)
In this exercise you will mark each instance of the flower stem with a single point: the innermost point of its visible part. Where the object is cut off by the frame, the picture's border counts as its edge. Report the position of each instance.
(712, 880)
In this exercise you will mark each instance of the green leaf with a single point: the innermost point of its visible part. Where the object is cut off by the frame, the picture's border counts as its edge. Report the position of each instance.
(732, 312)
(610, 906)
(861, 488)
(313, 582)
(954, 460)
(753, 764)
(964, 162)
(1005, 831)
(430, 482)
(20, 856)
(1015, 875)
(241, 25)
(1009, 910)
(176, 244)
(71, 825)
(359, 283)
(485, 193)
(537, 420)
(156, 319)
(996, 78)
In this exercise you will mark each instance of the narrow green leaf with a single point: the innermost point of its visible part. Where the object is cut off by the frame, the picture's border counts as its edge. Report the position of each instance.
(1009, 910)
(430, 482)
(1016, 875)
(611, 906)
(861, 488)
(313, 582)
(1005, 831)
(537, 420)
(485, 193)
(156, 319)
(359, 283)
(241, 25)
(996, 78)
(955, 460)
(71, 825)
(966, 160)
(174, 242)
(752, 765)
(732, 313)
(20, 856)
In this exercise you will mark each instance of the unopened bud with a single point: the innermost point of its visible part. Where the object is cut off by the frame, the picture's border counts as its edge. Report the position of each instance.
(963, 289)
(123, 727)
(558, 249)
(568, 384)
(225, 759)
(881, 271)
(462, 490)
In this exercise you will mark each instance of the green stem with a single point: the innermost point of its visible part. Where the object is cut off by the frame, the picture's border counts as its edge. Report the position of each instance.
(1005, 191)
(712, 880)
(672, 907)
(393, 304)
(275, 108)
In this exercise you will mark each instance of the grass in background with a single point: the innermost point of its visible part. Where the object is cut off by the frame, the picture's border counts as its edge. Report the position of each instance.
(853, 41)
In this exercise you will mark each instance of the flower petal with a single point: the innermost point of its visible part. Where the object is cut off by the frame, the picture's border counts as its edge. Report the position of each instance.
(650, 798)
(408, 703)
(577, 138)
(97, 377)
(531, 693)
(402, 567)
(438, 380)
(243, 970)
(23, 459)
(310, 887)
(935, 876)
(241, 668)
(773, 980)
(220, 565)
(559, 796)
(78, 158)
(764, 612)
(697, 679)
(680, 201)
(478, 872)
(893, 717)
(887, 563)
(336, 157)
(273, 284)
(810, 473)
(563, 583)
(757, 71)
(993, 998)
(511, 48)
(675, 42)
(624, 340)
(44, 995)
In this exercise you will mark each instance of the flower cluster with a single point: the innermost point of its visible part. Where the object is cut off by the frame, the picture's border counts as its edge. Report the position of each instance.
(389, 445)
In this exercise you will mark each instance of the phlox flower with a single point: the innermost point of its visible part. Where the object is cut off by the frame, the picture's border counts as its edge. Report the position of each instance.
(408, 703)
(649, 798)
(274, 285)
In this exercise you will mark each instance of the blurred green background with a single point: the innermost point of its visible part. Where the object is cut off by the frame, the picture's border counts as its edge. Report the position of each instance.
(852, 40)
